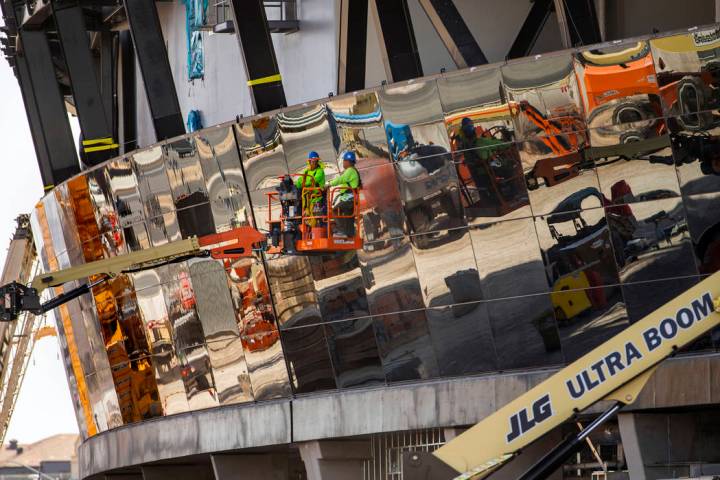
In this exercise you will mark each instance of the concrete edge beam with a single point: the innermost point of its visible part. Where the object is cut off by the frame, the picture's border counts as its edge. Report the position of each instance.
(442, 403)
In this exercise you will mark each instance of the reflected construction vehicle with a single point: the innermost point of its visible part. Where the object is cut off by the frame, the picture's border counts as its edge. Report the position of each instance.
(581, 258)
(609, 77)
(491, 185)
(428, 185)
(615, 371)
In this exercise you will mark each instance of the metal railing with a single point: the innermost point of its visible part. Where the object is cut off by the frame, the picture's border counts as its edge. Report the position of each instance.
(282, 15)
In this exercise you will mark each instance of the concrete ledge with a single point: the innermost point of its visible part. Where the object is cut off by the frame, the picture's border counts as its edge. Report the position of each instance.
(444, 403)
(204, 431)
(688, 380)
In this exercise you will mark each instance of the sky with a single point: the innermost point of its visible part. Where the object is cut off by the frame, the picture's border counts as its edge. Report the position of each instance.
(44, 405)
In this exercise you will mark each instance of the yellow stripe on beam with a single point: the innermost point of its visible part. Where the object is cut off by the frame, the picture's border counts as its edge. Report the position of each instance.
(112, 146)
(98, 141)
(270, 79)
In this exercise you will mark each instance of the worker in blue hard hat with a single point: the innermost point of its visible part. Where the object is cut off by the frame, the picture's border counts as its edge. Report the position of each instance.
(344, 199)
(313, 175)
(310, 183)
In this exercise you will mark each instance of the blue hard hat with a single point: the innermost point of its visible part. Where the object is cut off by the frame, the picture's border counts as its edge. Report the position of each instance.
(466, 121)
(313, 155)
(350, 157)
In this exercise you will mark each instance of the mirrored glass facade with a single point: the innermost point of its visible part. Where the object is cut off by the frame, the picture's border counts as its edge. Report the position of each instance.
(510, 217)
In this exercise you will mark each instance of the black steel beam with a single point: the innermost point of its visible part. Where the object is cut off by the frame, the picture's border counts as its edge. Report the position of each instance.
(454, 33)
(157, 77)
(398, 46)
(531, 28)
(108, 76)
(353, 45)
(45, 109)
(261, 67)
(127, 85)
(582, 22)
(98, 141)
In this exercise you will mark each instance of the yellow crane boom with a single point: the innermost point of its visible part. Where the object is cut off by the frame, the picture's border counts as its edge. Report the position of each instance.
(616, 371)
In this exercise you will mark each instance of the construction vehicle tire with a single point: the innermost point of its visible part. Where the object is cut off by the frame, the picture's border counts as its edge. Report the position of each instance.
(632, 136)
(691, 108)
(628, 112)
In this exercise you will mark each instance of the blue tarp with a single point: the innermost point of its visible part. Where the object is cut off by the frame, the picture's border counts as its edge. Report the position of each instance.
(399, 138)
(195, 11)
(194, 121)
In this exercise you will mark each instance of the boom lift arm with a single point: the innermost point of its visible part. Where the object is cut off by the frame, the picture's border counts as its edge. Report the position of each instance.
(616, 371)
(16, 297)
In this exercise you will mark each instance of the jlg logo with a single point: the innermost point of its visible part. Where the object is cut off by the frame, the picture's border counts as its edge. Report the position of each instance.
(520, 423)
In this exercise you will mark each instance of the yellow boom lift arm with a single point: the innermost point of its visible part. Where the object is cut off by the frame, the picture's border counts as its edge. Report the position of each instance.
(16, 298)
(616, 371)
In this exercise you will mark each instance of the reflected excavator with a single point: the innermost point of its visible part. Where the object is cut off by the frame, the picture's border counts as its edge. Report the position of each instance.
(615, 372)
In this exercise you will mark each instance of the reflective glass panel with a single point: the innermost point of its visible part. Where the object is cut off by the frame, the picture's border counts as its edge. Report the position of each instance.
(588, 317)
(556, 169)
(177, 286)
(462, 339)
(198, 377)
(150, 169)
(111, 241)
(686, 69)
(525, 332)
(644, 297)
(411, 103)
(78, 218)
(163, 229)
(381, 208)
(225, 183)
(697, 157)
(294, 296)
(266, 365)
(577, 248)
(123, 184)
(405, 347)
(491, 178)
(390, 276)
(703, 217)
(158, 331)
(635, 168)
(444, 281)
(544, 95)
(429, 192)
(508, 259)
(309, 129)
(476, 94)
(185, 173)
(196, 221)
(99, 415)
(308, 359)
(354, 353)
(651, 240)
(618, 84)
(217, 316)
(145, 401)
(262, 152)
(339, 286)
(108, 383)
